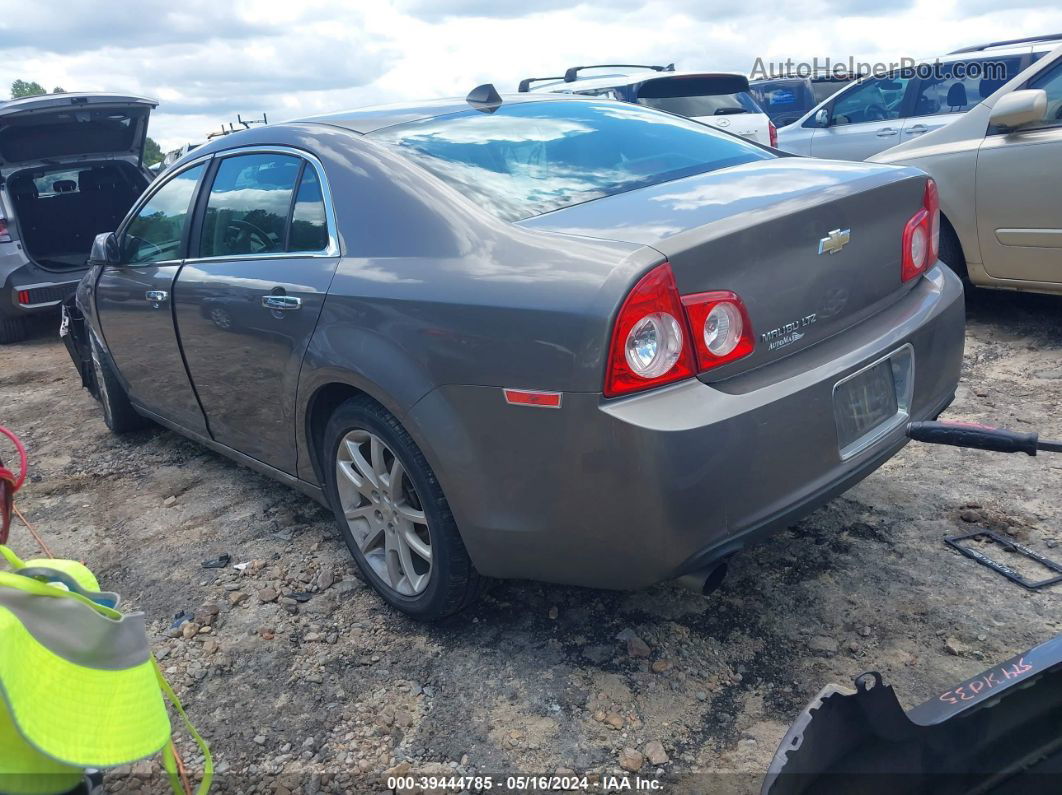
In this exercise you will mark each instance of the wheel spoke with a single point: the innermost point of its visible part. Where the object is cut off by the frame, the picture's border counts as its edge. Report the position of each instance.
(405, 560)
(364, 467)
(411, 514)
(394, 480)
(376, 456)
(368, 542)
(360, 512)
(416, 543)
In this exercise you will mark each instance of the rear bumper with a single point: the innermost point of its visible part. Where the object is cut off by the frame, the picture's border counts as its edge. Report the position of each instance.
(625, 493)
(46, 289)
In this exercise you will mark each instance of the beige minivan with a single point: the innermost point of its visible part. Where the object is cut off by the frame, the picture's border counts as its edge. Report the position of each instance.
(999, 172)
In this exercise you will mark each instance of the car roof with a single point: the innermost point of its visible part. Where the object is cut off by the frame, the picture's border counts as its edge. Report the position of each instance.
(84, 98)
(624, 79)
(971, 53)
(377, 117)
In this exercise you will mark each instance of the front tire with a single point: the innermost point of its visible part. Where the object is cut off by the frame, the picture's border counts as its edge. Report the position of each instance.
(118, 412)
(393, 515)
(951, 253)
(12, 329)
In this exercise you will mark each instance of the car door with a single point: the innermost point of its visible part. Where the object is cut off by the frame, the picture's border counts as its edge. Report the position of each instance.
(134, 301)
(1019, 215)
(265, 251)
(947, 90)
(863, 120)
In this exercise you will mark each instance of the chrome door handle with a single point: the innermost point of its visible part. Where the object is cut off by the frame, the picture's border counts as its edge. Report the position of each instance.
(885, 132)
(156, 296)
(918, 129)
(282, 302)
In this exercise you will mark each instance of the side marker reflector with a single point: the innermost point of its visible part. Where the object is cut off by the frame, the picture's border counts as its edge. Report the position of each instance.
(532, 397)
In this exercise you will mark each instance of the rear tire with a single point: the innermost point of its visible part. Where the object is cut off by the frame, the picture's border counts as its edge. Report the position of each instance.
(118, 412)
(358, 430)
(12, 329)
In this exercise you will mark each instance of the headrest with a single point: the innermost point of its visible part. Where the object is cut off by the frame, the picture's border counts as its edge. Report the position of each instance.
(93, 179)
(989, 87)
(64, 186)
(957, 96)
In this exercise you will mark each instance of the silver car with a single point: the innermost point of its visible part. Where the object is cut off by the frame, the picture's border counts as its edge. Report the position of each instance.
(879, 112)
(531, 336)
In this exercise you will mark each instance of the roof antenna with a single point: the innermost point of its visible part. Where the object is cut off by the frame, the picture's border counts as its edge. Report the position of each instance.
(484, 98)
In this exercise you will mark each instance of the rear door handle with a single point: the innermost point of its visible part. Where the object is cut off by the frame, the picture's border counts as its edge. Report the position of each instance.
(885, 132)
(284, 303)
(156, 296)
(918, 129)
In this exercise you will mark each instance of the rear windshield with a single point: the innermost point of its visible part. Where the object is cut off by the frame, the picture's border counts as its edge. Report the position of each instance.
(529, 158)
(713, 95)
(782, 96)
(73, 132)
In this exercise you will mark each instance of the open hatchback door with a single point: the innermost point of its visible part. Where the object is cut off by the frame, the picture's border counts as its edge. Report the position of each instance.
(71, 166)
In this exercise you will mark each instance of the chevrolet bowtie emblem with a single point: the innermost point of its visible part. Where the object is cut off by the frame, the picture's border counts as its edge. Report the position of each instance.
(835, 241)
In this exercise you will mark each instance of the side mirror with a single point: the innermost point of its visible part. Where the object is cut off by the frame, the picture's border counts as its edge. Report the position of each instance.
(104, 250)
(822, 118)
(1019, 108)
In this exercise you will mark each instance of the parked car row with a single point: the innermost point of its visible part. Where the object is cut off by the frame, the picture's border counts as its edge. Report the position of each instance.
(881, 111)
(543, 335)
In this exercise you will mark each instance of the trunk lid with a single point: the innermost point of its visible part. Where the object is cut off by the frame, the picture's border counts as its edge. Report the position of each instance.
(756, 229)
(60, 128)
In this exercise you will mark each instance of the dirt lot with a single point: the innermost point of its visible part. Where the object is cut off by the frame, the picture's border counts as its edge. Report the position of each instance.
(329, 693)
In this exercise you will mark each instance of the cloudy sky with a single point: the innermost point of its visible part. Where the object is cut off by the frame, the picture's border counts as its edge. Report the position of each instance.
(207, 60)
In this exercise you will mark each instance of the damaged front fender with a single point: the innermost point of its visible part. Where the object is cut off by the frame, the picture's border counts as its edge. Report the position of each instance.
(998, 732)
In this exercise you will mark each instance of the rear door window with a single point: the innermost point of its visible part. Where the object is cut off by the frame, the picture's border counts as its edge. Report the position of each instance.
(156, 231)
(249, 204)
(309, 221)
(956, 88)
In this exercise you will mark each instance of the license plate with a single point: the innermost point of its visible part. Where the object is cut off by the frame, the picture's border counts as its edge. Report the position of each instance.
(863, 403)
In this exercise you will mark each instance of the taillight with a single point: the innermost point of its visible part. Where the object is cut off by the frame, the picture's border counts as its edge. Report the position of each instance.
(5, 235)
(649, 342)
(721, 328)
(773, 132)
(921, 235)
(24, 297)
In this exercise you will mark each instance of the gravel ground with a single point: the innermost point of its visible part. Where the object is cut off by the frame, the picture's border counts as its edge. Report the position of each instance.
(303, 681)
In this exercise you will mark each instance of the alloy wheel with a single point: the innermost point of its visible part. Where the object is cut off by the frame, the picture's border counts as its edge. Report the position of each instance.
(384, 512)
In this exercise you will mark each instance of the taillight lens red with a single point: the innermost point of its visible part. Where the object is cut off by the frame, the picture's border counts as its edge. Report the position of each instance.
(721, 328)
(773, 132)
(921, 235)
(5, 235)
(651, 341)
